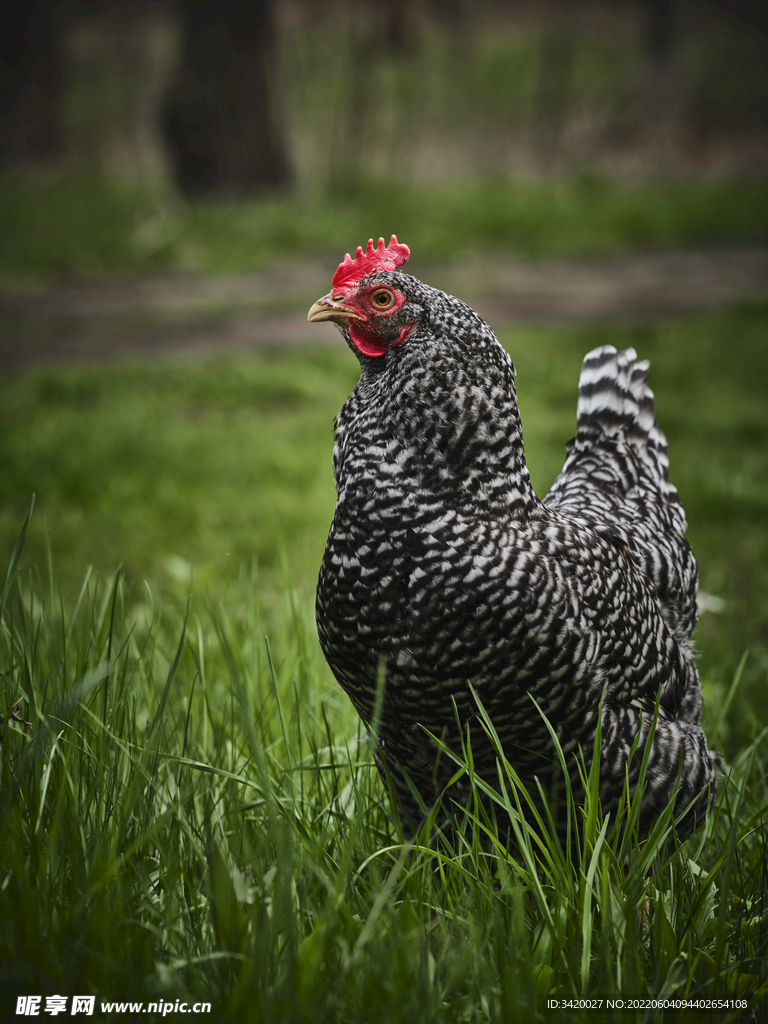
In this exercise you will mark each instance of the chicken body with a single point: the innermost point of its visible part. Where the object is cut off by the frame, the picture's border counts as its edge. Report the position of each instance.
(443, 568)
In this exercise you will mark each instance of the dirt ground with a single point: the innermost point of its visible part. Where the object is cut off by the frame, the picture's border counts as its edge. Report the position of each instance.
(90, 321)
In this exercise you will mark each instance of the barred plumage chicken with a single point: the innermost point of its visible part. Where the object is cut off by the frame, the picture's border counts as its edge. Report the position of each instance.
(443, 569)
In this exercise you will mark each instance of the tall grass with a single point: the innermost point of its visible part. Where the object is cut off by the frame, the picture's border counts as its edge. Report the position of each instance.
(188, 810)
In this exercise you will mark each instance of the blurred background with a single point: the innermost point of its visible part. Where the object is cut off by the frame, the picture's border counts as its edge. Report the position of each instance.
(227, 99)
(178, 182)
(130, 119)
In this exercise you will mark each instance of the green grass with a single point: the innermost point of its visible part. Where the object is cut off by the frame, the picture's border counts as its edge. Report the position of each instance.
(187, 810)
(171, 468)
(58, 226)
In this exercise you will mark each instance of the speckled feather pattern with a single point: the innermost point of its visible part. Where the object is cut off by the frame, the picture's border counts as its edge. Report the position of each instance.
(444, 568)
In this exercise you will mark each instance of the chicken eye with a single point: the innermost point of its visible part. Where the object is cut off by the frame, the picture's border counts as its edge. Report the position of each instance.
(382, 299)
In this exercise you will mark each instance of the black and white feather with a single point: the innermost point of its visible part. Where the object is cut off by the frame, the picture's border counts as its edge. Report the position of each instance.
(444, 567)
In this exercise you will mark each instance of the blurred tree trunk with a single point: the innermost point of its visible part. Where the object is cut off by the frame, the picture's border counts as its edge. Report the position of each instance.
(457, 13)
(221, 122)
(554, 79)
(662, 91)
(458, 16)
(367, 46)
(31, 79)
(396, 28)
(662, 18)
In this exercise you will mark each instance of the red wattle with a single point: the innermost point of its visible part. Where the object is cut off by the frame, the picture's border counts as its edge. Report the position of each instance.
(368, 346)
(373, 346)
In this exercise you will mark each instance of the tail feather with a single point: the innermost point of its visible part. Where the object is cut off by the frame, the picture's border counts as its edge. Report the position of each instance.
(616, 473)
(615, 401)
(616, 405)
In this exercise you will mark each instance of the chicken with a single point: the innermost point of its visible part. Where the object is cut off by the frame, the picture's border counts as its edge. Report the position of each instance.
(443, 568)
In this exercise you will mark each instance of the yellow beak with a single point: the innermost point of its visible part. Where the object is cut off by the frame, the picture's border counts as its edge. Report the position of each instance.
(330, 309)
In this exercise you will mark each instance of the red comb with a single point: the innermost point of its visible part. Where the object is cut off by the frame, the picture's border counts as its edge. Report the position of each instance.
(381, 258)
